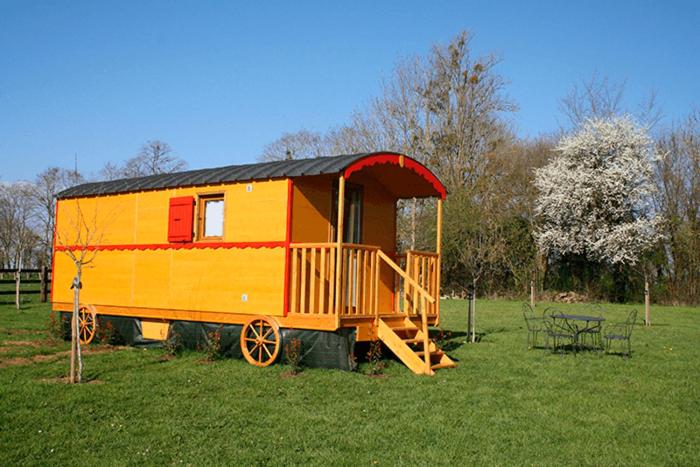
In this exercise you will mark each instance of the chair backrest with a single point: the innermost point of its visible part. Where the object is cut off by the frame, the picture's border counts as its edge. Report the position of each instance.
(595, 310)
(528, 314)
(549, 312)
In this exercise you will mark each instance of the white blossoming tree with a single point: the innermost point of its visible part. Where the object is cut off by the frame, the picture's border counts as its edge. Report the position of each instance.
(595, 195)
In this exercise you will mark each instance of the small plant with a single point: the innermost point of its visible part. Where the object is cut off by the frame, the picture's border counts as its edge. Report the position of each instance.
(374, 357)
(55, 326)
(292, 355)
(106, 333)
(173, 344)
(353, 361)
(212, 348)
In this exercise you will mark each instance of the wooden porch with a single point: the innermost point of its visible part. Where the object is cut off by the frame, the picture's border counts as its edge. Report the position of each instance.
(348, 283)
(394, 300)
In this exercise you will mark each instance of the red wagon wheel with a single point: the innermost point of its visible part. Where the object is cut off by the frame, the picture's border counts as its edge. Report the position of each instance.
(260, 341)
(87, 324)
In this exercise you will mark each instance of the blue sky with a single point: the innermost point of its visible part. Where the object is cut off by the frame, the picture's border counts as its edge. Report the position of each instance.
(219, 80)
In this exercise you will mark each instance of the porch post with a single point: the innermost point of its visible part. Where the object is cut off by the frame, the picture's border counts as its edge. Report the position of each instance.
(339, 247)
(438, 250)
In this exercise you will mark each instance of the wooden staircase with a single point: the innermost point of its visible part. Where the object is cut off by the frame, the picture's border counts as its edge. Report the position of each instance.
(412, 346)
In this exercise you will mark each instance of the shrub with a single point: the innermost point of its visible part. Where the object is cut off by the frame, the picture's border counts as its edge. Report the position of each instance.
(374, 357)
(106, 333)
(292, 355)
(173, 344)
(212, 347)
(55, 326)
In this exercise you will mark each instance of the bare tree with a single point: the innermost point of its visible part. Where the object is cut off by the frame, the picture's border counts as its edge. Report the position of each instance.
(17, 237)
(155, 157)
(466, 103)
(302, 144)
(111, 171)
(80, 242)
(46, 186)
(678, 198)
(599, 97)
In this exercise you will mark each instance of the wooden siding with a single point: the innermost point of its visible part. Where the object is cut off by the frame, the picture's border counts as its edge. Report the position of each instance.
(147, 271)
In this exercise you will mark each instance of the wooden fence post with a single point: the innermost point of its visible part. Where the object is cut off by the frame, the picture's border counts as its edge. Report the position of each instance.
(44, 283)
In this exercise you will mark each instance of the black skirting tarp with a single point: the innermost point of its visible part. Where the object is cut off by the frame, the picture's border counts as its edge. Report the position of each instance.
(117, 330)
(319, 349)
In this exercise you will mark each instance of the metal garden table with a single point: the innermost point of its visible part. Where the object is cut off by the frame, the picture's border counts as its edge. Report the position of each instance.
(582, 325)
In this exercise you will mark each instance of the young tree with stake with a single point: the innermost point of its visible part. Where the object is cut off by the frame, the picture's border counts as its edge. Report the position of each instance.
(80, 243)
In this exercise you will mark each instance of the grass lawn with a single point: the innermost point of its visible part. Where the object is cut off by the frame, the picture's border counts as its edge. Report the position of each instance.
(503, 404)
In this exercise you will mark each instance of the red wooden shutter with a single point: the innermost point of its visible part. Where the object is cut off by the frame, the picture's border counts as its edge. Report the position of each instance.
(180, 219)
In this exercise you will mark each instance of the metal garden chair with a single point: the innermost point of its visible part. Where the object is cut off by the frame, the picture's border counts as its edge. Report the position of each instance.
(534, 323)
(622, 333)
(557, 332)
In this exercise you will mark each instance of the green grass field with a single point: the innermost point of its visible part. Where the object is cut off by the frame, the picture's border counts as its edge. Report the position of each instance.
(502, 405)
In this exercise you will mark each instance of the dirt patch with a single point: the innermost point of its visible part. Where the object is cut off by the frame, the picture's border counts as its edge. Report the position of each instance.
(8, 346)
(38, 343)
(23, 331)
(54, 356)
(290, 374)
(66, 380)
(15, 362)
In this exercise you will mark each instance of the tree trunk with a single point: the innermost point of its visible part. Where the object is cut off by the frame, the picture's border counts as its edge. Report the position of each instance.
(532, 293)
(76, 362)
(44, 283)
(647, 301)
(18, 280)
(413, 224)
(472, 327)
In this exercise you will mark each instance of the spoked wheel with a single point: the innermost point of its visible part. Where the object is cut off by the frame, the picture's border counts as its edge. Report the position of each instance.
(87, 324)
(260, 341)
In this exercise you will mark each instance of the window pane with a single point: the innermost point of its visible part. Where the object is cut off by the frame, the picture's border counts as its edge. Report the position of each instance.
(214, 218)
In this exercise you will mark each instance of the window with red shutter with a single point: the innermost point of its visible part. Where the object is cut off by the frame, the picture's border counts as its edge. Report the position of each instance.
(180, 219)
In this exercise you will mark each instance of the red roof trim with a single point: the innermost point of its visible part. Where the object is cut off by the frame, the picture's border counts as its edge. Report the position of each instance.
(178, 246)
(395, 159)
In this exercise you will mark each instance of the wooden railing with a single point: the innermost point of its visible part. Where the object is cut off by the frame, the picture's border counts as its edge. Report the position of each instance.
(314, 280)
(422, 267)
(422, 300)
(359, 294)
(313, 273)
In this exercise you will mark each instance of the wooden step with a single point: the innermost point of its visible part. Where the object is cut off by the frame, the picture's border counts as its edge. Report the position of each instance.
(414, 340)
(413, 358)
(443, 365)
(404, 329)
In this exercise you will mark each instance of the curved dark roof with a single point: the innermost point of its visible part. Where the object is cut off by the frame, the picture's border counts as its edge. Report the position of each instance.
(219, 175)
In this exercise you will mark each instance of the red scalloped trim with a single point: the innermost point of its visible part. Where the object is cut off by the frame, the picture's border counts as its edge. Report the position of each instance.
(394, 159)
(178, 246)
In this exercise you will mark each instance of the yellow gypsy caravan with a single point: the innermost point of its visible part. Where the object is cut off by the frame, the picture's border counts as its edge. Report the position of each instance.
(263, 252)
